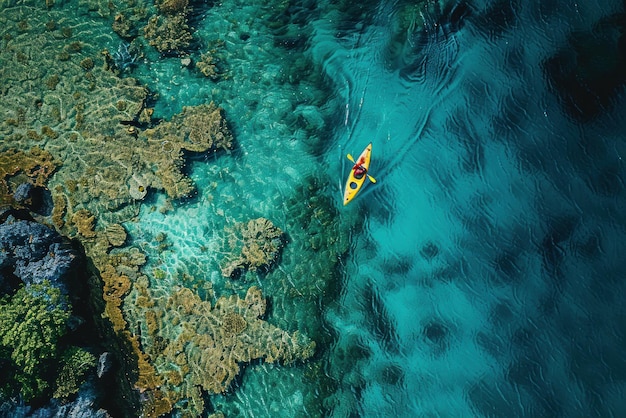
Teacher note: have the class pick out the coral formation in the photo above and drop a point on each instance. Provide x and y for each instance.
(128, 21)
(116, 235)
(35, 166)
(253, 245)
(84, 123)
(208, 66)
(169, 31)
(196, 128)
(173, 7)
(84, 221)
(123, 26)
(122, 59)
(209, 343)
(87, 64)
(168, 34)
(118, 272)
(208, 62)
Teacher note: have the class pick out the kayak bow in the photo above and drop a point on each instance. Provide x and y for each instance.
(356, 181)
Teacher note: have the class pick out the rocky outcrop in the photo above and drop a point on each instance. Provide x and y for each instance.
(33, 253)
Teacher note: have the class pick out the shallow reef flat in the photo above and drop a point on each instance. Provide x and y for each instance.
(74, 122)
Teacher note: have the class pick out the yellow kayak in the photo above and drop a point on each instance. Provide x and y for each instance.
(358, 174)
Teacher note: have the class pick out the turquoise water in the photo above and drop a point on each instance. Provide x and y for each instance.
(487, 276)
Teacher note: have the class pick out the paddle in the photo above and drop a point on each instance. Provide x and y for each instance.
(372, 179)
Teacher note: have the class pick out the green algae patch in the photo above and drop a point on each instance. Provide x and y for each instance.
(76, 363)
(32, 322)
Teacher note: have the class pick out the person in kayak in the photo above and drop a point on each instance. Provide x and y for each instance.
(359, 171)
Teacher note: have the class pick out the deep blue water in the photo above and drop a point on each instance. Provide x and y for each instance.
(494, 240)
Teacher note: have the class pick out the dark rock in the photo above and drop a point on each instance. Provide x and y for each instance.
(22, 192)
(36, 199)
(84, 406)
(41, 201)
(33, 253)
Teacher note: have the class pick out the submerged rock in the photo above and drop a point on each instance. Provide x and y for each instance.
(590, 71)
(23, 192)
(104, 364)
(35, 198)
(82, 407)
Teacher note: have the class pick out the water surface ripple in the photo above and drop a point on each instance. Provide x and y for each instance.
(489, 278)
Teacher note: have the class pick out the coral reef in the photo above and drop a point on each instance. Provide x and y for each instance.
(81, 125)
(252, 246)
(208, 66)
(203, 346)
(128, 21)
(119, 271)
(209, 62)
(84, 222)
(170, 35)
(123, 26)
(196, 128)
(173, 7)
(116, 235)
(169, 31)
(84, 121)
(75, 119)
(34, 166)
(123, 59)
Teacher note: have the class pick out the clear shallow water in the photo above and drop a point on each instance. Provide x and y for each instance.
(487, 279)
